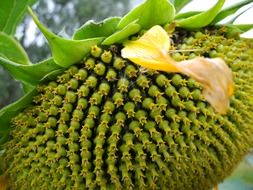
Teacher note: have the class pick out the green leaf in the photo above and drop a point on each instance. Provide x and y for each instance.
(12, 50)
(186, 14)
(65, 52)
(52, 75)
(230, 10)
(202, 19)
(149, 13)
(27, 87)
(92, 29)
(29, 74)
(179, 4)
(238, 28)
(123, 34)
(10, 111)
(11, 13)
(238, 15)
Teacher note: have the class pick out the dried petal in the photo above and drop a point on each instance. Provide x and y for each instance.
(214, 76)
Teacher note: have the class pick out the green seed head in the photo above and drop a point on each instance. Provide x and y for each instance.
(108, 124)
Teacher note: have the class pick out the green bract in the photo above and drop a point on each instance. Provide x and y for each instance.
(202, 19)
(91, 119)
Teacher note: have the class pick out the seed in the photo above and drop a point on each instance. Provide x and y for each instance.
(119, 63)
(106, 56)
(100, 69)
(96, 51)
(90, 63)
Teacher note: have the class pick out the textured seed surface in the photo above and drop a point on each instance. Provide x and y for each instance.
(106, 124)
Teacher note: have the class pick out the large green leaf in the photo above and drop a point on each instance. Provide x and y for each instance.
(92, 29)
(202, 19)
(11, 13)
(123, 34)
(179, 4)
(10, 111)
(149, 13)
(65, 52)
(12, 50)
(230, 10)
(29, 74)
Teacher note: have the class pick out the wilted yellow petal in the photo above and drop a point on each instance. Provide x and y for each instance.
(214, 76)
(151, 51)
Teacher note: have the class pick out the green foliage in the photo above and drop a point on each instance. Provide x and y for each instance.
(65, 52)
(12, 12)
(31, 74)
(100, 29)
(63, 16)
(230, 10)
(12, 50)
(123, 34)
(202, 19)
(162, 13)
(238, 28)
(186, 14)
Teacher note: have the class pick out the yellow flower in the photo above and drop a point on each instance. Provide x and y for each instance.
(151, 51)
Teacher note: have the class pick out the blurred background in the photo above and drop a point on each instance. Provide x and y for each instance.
(63, 17)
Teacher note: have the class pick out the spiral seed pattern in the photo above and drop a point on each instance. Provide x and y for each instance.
(106, 124)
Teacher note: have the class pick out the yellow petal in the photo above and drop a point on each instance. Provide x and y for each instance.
(214, 76)
(151, 50)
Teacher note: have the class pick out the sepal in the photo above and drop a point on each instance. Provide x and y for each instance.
(123, 34)
(65, 52)
(29, 74)
(238, 28)
(149, 13)
(230, 10)
(92, 29)
(12, 50)
(186, 15)
(202, 19)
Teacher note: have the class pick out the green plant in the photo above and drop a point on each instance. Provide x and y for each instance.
(93, 118)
